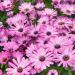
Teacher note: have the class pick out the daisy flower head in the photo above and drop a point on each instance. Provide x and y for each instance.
(68, 10)
(48, 12)
(40, 6)
(66, 57)
(35, 31)
(7, 4)
(48, 31)
(62, 22)
(41, 58)
(53, 72)
(26, 8)
(58, 43)
(17, 19)
(19, 67)
(19, 30)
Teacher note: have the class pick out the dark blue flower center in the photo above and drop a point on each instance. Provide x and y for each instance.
(52, 73)
(48, 33)
(20, 30)
(20, 69)
(42, 58)
(35, 32)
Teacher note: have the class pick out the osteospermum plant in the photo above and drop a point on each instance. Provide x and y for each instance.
(37, 37)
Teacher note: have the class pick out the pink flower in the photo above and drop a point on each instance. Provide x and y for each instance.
(62, 22)
(10, 46)
(18, 25)
(4, 56)
(53, 72)
(35, 31)
(7, 4)
(58, 43)
(43, 20)
(26, 7)
(48, 31)
(40, 5)
(68, 10)
(19, 67)
(17, 19)
(48, 12)
(66, 58)
(41, 58)
(19, 30)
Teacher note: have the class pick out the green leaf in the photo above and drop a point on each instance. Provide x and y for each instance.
(44, 72)
(29, 1)
(1, 48)
(66, 72)
(15, 9)
(48, 3)
(3, 67)
(61, 70)
(3, 16)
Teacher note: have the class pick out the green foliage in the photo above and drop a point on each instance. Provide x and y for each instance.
(3, 16)
(61, 70)
(3, 67)
(48, 3)
(29, 1)
(15, 9)
(1, 48)
(66, 71)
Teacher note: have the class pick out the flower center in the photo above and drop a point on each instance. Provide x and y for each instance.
(52, 73)
(20, 69)
(68, 11)
(62, 34)
(72, 32)
(61, 23)
(66, 57)
(35, 32)
(42, 58)
(20, 30)
(44, 22)
(4, 59)
(57, 46)
(48, 33)
(24, 42)
(27, 9)
(45, 42)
